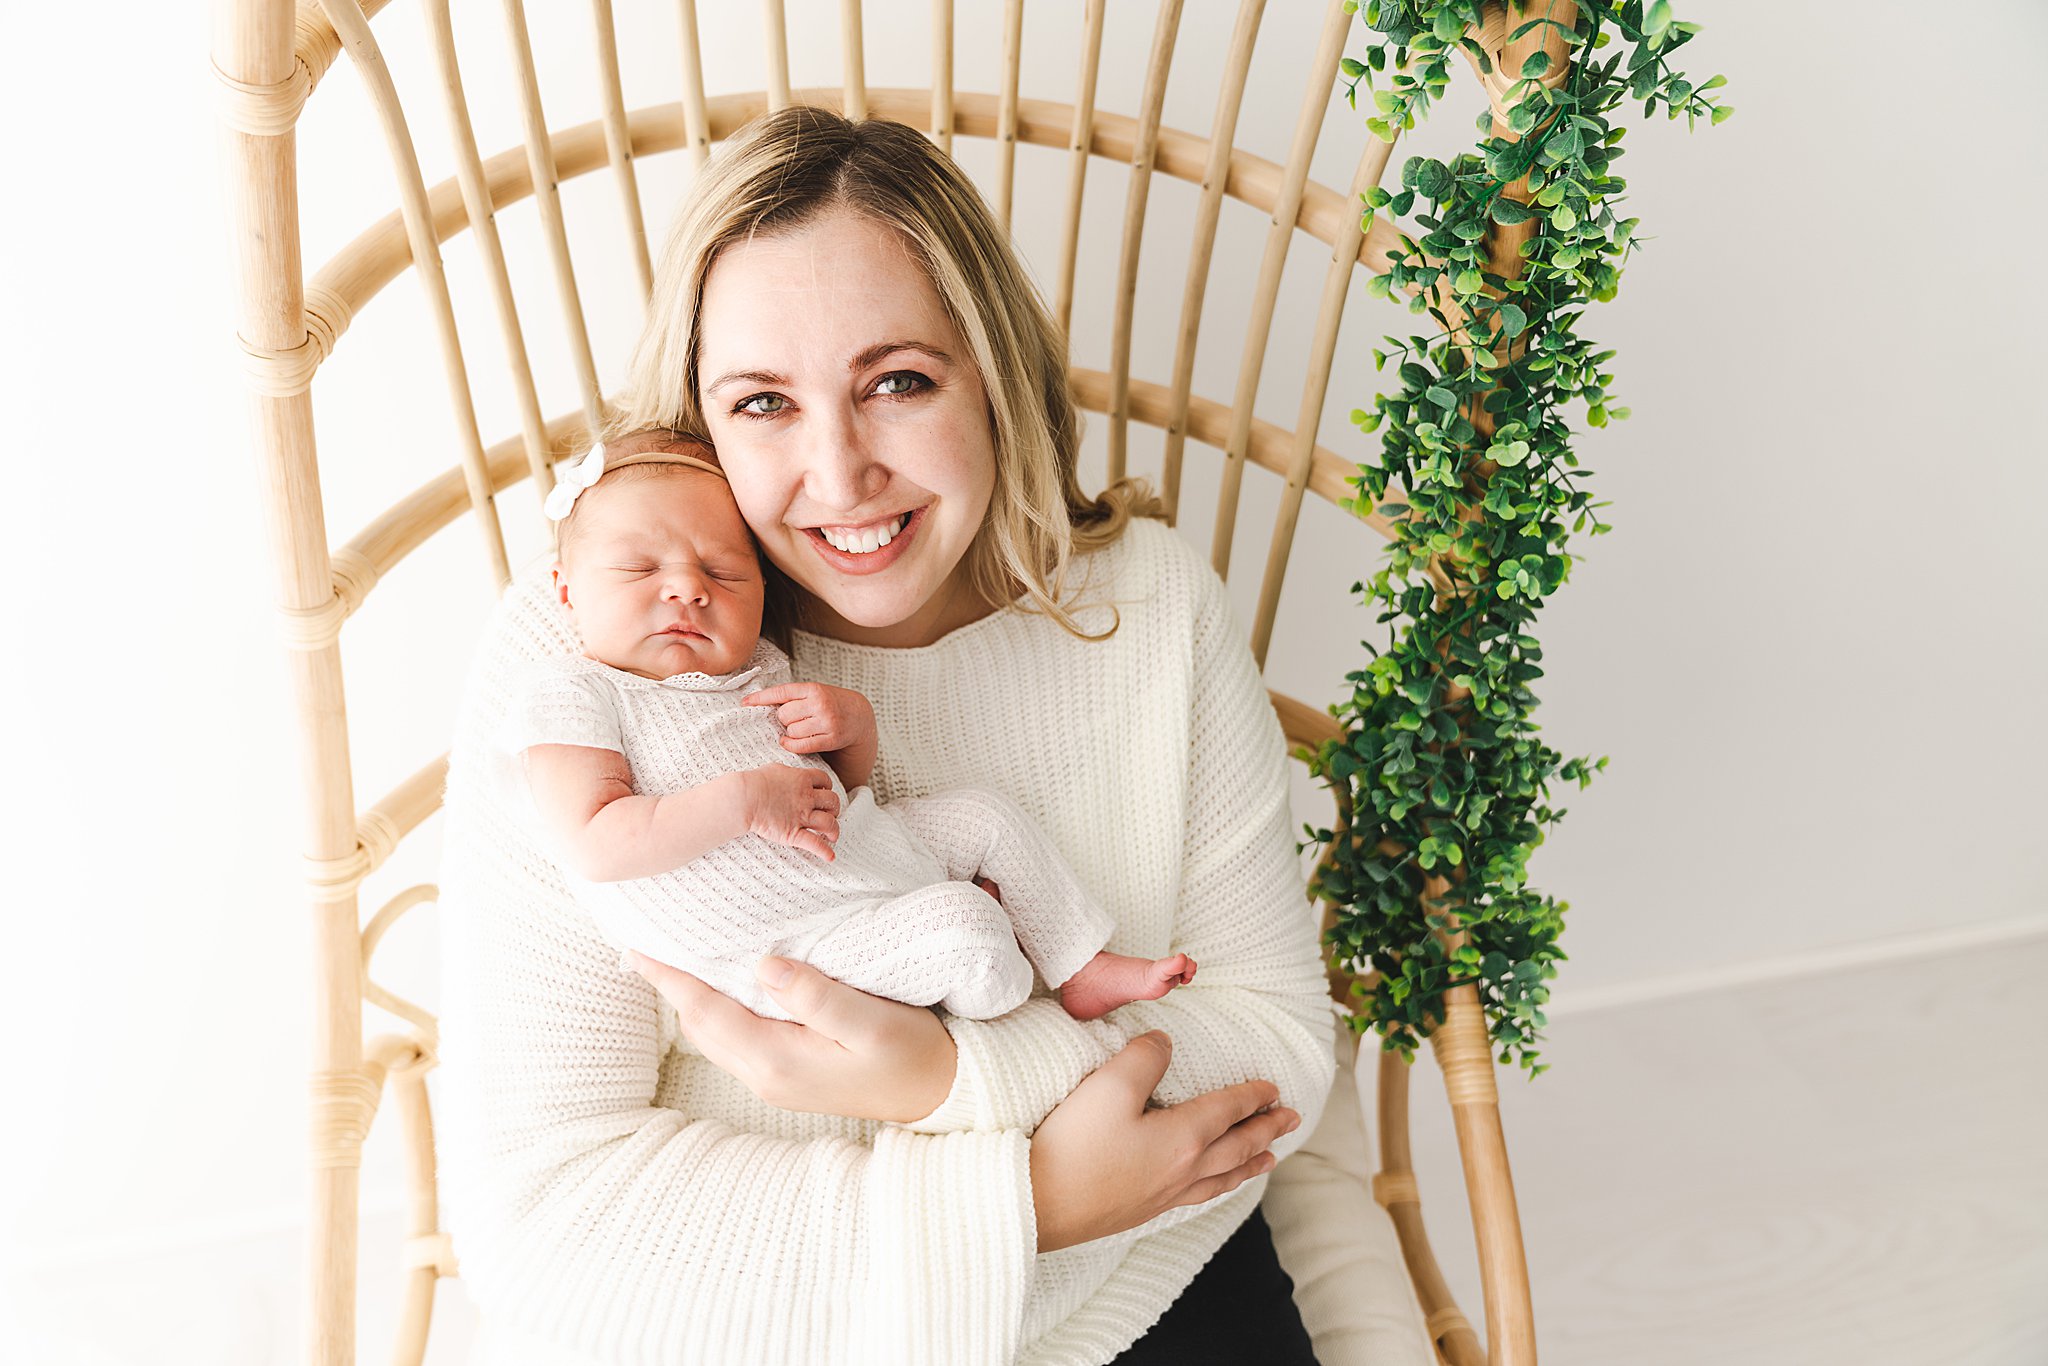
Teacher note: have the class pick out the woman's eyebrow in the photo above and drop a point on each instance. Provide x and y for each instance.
(874, 353)
(746, 377)
(862, 360)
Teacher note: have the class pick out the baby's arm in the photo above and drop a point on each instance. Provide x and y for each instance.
(611, 833)
(818, 718)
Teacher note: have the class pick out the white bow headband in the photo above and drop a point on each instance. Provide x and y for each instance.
(591, 466)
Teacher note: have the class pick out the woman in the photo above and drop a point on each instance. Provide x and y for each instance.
(838, 314)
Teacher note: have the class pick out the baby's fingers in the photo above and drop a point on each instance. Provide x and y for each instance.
(814, 843)
(775, 696)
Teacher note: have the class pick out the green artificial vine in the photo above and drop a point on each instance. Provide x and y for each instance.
(1439, 776)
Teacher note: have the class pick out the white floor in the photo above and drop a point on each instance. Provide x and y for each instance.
(1839, 1169)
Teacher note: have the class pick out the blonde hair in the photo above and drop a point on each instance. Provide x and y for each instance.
(786, 169)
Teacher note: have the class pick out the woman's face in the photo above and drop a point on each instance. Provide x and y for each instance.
(852, 423)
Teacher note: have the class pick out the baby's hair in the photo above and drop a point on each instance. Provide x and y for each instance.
(779, 602)
(627, 443)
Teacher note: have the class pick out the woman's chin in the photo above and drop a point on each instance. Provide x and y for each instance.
(870, 603)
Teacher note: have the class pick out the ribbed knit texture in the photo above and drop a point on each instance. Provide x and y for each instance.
(894, 913)
(610, 1188)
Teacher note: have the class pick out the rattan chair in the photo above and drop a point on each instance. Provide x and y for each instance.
(270, 59)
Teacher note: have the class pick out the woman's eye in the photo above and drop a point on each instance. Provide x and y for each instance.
(744, 409)
(910, 379)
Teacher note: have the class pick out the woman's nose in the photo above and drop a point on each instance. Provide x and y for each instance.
(841, 473)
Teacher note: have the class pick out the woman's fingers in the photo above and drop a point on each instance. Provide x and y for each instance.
(836, 1010)
(1210, 1187)
(710, 1018)
(1139, 1064)
(1215, 1112)
(1235, 1154)
(1238, 1124)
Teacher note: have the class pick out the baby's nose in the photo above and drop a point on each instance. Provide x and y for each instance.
(687, 584)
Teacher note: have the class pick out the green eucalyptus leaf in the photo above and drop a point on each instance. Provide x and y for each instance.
(1508, 212)
(1433, 180)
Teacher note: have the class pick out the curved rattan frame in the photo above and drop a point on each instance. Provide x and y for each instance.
(269, 57)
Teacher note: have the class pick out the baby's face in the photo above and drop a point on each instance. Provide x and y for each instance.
(660, 576)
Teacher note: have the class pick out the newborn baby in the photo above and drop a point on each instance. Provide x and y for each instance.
(709, 811)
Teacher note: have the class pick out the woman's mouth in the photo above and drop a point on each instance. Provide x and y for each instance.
(864, 550)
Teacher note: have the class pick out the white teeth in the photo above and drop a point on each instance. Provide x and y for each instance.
(863, 542)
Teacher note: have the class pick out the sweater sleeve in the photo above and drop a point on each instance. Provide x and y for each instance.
(585, 1212)
(557, 705)
(1259, 1004)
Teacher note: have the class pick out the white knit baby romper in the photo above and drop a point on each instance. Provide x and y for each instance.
(894, 913)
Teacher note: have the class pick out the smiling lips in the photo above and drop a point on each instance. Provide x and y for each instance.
(866, 549)
(864, 540)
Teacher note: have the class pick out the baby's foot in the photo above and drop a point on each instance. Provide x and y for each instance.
(1109, 980)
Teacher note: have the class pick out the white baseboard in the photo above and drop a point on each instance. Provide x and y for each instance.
(1814, 962)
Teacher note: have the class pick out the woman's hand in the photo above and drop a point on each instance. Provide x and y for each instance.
(847, 1053)
(1102, 1162)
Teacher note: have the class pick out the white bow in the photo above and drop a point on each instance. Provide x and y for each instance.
(571, 481)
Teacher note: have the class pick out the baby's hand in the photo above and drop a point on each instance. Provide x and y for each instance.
(817, 718)
(793, 806)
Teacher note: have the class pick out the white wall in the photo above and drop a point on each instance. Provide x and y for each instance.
(1810, 645)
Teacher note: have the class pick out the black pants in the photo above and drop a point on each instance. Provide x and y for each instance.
(1238, 1309)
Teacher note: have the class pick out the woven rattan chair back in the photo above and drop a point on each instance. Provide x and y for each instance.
(270, 58)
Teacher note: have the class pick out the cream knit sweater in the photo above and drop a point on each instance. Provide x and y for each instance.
(610, 1189)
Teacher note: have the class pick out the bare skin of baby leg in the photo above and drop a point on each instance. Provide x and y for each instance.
(1109, 980)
